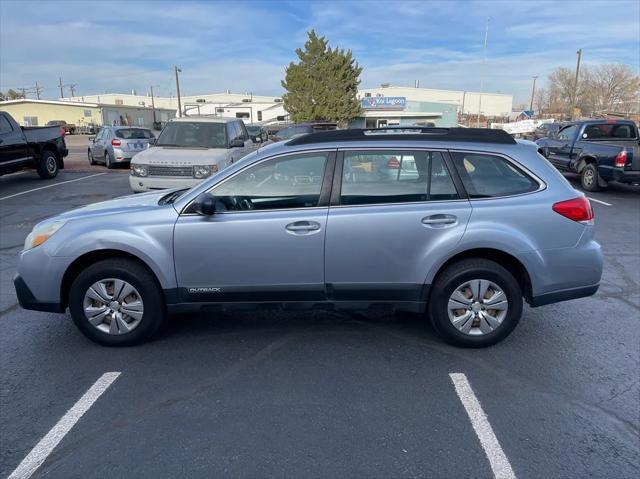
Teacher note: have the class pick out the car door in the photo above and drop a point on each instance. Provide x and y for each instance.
(13, 146)
(389, 222)
(266, 240)
(96, 146)
(559, 149)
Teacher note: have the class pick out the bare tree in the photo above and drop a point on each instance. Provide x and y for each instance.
(613, 87)
(541, 102)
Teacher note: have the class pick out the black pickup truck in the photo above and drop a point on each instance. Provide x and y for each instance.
(42, 148)
(599, 150)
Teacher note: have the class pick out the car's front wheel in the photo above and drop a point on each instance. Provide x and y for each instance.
(117, 302)
(475, 303)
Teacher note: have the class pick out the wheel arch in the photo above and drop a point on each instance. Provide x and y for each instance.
(584, 161)
(84, 261)
(504, 259)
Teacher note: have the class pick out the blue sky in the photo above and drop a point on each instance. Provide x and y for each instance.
(245, 46)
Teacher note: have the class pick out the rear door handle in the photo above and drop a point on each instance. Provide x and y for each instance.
(303, 227)
(439, 220)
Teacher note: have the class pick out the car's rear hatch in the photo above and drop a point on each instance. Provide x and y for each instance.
(132, 139)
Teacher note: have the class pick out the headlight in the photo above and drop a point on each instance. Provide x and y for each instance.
(139, 170)
(202, 171)
(42, 233)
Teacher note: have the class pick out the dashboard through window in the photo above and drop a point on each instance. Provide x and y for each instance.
(294, 181)
(378, 177)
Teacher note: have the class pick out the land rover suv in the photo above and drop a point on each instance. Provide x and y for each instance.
(459, 225)
(189, 150)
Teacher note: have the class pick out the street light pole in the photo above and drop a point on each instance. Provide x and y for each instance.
(153, 106)
(533, 92)
(178, 91)
(484, 60)
(575, 84)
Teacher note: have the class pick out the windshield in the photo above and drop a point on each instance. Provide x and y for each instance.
(133, 134)
(192, 134)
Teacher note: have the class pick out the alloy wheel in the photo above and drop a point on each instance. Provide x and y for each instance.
(113, 306)
(477, 307)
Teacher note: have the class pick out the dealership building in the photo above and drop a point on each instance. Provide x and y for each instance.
(84, 115)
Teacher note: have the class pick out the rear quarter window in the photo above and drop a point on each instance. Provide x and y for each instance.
(490, 176)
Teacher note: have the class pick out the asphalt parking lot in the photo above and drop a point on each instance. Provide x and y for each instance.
(319, 394)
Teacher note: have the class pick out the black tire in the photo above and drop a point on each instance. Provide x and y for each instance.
(48, 165)
(589, 178)
(141, 279)
(92, 160)
(108, 162)
(457, 274)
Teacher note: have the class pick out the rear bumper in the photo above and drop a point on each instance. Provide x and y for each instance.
(626, 176)
(28, 301)
(564, 295)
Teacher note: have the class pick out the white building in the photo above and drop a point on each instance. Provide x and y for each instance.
(467, 102)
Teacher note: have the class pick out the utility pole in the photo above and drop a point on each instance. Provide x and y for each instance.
(178, 91)
(533, 91)
(72, 87)
(153, 105)
(24, 92)
(575, 84)
(38, 89)
(60, 85)
(484, 60)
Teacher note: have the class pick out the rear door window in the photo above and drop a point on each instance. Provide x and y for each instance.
(379, 177)
(490, 176)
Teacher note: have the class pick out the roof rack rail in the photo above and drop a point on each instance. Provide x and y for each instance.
(407, 133)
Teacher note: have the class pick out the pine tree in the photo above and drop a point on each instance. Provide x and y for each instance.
(323, 85)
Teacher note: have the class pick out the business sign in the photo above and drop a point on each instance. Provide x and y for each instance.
(384, 103)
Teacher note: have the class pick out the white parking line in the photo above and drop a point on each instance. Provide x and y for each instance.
(499, 463)
(50, 186)
(599, 201)
(48, 443)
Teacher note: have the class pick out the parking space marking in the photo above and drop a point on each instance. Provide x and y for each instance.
(497, 459)
(48, 443)
(50, 186)
(599, 201)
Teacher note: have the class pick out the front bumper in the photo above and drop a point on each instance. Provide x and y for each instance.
(28, 301)
(149, 183)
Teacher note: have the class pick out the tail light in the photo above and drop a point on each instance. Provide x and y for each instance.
(62, 132)
(577, 209)
(621, 159)
(393, 163)
(116, 143)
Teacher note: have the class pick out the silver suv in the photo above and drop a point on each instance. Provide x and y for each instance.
(456, 224)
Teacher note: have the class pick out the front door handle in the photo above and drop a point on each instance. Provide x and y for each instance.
(303, 227)
(439, 220)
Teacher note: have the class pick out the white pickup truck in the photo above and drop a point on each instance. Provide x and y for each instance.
(189, 150)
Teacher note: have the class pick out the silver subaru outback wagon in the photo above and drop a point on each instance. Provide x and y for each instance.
(460, 225)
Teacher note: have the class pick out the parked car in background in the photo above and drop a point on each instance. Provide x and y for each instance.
(42, 148)
(300, 129)
(290, 225)
(189, 150)
(543, 131)
(258, 133)
(599, 150)
(118, 144)
(69, 128)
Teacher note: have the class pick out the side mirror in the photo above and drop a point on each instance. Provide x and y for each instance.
(152, 141)
(237, 142)
(92, 138)
(205, 204)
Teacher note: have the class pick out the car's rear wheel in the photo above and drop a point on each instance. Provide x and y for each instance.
(107, 160)
(117, 302)
(48, 165)
(589, 178)
(475, 303)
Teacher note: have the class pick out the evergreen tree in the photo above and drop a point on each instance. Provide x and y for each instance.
(323, 85)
